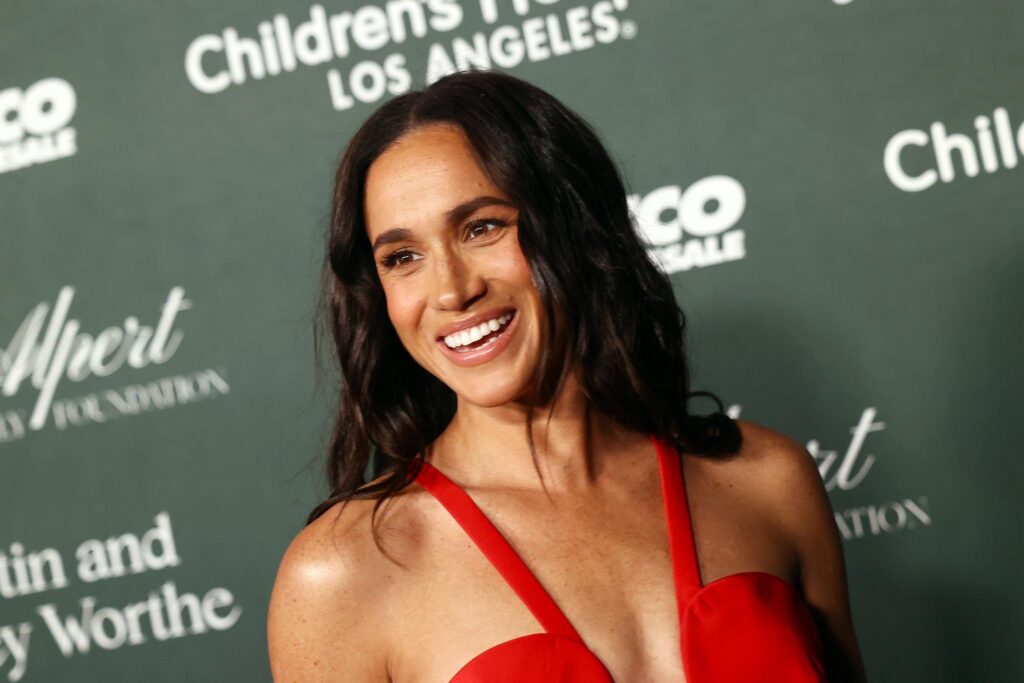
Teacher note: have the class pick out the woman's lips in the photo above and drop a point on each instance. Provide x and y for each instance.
(495, 345)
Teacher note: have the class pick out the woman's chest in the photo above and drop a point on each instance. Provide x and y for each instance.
(611, 575)
(618, 595)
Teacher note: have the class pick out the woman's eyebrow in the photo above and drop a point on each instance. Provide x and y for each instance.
(392, 235)
(466, 208)
(452, 216)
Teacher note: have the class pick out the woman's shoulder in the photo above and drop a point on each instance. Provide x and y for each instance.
(785, 479)
(781, 466)
(779, 478)
(334, 584)
(774, 477)
(340, 548)
(768, 462)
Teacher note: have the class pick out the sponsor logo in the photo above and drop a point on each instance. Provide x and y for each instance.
(215, 62)
(35, 124)
(695, 227)
(915, 160)
(50, 347)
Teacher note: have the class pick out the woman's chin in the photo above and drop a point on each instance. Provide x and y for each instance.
(489, 395)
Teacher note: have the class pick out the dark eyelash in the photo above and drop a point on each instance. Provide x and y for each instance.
(391, 260)
(484, 221)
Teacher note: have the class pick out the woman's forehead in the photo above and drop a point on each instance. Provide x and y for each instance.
(425, 155)
(423, 175)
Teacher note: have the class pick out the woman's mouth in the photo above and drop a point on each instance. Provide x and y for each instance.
(481, 343)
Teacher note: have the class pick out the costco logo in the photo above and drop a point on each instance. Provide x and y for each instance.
(35, 124)
(693, 227)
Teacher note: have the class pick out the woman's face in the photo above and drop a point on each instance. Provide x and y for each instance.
(445, 243)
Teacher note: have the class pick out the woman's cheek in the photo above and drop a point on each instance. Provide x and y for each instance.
(402, 309)
(510, 262)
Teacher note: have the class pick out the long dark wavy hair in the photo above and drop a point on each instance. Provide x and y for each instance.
(610, 312)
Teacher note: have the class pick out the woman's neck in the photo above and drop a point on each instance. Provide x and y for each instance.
(488, 446)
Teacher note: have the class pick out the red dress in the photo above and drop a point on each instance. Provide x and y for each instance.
(748, 627)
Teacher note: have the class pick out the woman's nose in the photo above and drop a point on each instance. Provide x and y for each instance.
(457, 284)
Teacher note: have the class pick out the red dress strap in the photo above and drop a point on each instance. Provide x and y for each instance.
(497, 550)
(682, 545)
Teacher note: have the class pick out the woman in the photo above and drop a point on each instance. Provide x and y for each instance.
(547, 508)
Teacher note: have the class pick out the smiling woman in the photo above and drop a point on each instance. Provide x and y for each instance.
(482, 270)
(434, 273)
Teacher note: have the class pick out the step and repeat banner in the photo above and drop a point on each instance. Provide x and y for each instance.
(835, 188)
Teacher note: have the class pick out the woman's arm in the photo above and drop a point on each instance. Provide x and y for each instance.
(808, 520)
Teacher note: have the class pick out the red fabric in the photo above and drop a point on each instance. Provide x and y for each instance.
(750, 627)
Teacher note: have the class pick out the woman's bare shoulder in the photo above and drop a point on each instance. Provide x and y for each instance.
(784, 478)
(772, 478)
(772, 472)
(328, 610)
(768, 462)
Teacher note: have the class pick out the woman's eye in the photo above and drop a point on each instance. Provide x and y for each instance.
(475, 229)
(397, 258)
(480, 227)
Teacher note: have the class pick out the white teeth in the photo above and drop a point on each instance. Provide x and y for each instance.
(473, 334)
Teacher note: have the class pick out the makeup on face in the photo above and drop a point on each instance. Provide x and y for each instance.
(460, 292)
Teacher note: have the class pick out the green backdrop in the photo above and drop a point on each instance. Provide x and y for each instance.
(834, 186)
